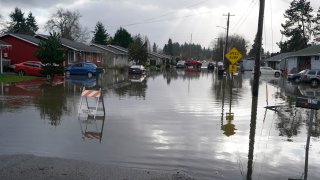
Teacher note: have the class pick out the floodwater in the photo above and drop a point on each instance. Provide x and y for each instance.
(171, 120)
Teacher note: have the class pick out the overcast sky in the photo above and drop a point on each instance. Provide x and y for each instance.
(160, 20)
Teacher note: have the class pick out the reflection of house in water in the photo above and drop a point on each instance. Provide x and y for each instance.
(49, 98)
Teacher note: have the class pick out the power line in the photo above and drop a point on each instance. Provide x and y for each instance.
(246, 16)
(271, 26)
(158, 18)
(243, 14)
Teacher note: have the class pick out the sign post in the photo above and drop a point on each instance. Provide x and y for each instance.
(233, 56)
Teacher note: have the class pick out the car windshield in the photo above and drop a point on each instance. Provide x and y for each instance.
(302, 72)
(93, 65)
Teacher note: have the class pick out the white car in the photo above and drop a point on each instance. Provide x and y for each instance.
(269, 71)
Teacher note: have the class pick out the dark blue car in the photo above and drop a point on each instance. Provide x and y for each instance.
(88, 69)
(296, 77)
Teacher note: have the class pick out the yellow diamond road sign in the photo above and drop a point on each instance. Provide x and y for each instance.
(233, 55)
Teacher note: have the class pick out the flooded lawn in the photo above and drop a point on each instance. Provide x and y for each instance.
(174, 120)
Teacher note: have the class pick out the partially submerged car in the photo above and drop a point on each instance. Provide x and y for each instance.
(82, 68)
(31, 68)
(296, 77)
(137, 69)
(181, 64)
(268, 71)
(193, 63)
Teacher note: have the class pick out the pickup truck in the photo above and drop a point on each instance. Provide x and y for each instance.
(193, 63)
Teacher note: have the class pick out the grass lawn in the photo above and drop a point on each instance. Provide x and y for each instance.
(10, 78)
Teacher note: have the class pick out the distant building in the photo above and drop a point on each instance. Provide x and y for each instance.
(158, 59)
(113, 56)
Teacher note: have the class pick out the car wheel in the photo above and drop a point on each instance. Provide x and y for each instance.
(276, 74)
(67, 74)
(89, 74)
(21, 73)
(314, 82)
(297, 80)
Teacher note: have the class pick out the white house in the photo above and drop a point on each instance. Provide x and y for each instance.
(113, 56)
(307, 58)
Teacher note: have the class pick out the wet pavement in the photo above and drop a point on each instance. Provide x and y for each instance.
(178, 120)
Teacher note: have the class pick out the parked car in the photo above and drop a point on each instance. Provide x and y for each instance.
(220, 68)
(296, 77)
(137, 69)
(88, 69)
(180, 64)
(210, 66)
(31, 68)
(312, 76)
(193, 63)
(268, 71)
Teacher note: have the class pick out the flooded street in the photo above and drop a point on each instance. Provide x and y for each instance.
(173, 120)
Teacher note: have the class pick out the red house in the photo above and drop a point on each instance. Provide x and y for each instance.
(24, 47)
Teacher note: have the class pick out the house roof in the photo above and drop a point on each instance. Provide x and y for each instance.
(309, 51)
(278, 57)
(24, 37)
(77, 46)
(110, 48)
(125, 50)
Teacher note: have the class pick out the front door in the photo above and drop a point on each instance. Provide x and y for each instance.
(304, 62)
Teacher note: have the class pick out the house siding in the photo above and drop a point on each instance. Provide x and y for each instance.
(21, 51)
(315, 64)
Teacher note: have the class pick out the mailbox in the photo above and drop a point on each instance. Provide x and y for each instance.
(308, 103)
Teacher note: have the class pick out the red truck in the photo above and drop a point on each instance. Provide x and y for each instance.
(193, 63)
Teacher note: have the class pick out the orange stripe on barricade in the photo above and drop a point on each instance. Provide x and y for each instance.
(90, 93)
(97, 94)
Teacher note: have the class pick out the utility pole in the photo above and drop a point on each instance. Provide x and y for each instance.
(226, 63)
(255, 86)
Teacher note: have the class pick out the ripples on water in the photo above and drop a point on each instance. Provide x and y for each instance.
(167, 120)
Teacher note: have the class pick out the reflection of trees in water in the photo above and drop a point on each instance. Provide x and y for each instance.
(290, 121)
(137, 89)
(53, 103)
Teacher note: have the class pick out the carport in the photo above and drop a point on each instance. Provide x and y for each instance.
(3, 45)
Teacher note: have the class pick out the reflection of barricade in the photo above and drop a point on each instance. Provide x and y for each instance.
(91, 128)
(88, 109)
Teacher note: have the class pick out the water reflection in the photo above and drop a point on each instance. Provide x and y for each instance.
(252, 135)
(52, 103)
(91, 127)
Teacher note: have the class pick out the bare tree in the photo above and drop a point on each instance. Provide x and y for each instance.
(67, 23)
(3, 25)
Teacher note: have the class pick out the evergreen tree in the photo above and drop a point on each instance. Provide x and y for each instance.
(138, 51)
(297, 27)
(122, 38)
(154, 48)
(316, 20)
(18, 22)
(169, 48)
(31, 24)
(253, 50)
(100, 35)
(50, 52)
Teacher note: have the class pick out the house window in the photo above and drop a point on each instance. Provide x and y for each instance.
(316, 57)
